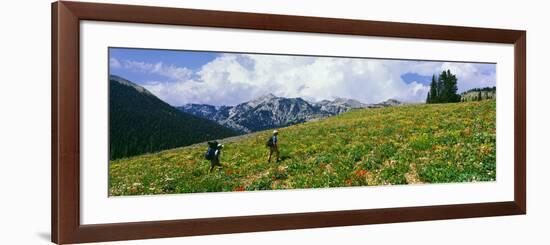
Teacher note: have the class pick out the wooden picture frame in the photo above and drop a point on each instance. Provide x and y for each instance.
(66, 226)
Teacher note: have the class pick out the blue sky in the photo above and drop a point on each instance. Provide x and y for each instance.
(181, 77)
(410, 77)
(190, 60)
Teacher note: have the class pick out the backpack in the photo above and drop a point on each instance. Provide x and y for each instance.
(269, 142)
(210, 154)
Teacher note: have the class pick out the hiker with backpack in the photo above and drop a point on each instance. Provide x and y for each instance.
(213, 154)
(273, 146)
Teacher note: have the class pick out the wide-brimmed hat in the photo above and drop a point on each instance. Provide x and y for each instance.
(275, 131)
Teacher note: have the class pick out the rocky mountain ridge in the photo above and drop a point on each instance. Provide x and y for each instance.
(270, 111)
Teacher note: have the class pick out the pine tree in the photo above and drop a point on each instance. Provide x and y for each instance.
(433, 95)
(428, 99)
(443, 88)
(452, 87)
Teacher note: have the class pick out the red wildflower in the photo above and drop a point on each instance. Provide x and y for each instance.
(361, 172)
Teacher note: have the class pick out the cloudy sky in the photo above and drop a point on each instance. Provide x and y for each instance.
(180, 77)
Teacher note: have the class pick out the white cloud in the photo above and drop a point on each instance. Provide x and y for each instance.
(169, 71)
(471, 75)
(234, 78)
(114, 63)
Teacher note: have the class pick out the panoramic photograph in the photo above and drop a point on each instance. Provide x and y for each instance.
(204, 121)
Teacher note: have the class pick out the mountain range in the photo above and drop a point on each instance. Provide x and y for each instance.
(139, 122)
(270, 111)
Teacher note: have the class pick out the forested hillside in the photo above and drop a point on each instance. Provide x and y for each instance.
(139, 122)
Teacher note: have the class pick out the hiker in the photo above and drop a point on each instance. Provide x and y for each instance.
(273, 146)
(213, 154)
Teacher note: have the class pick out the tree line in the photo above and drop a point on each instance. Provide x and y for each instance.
(443, 89)
(478, 94)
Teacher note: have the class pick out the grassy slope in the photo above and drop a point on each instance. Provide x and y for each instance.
(436, 143)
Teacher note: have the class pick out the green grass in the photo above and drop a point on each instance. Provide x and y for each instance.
(436, 143)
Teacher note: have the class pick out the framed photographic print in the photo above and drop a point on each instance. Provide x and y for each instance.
(177, 122)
